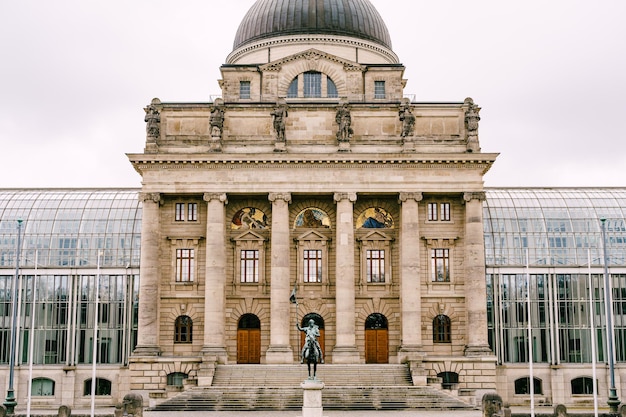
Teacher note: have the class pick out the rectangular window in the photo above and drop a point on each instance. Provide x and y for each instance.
(440, 265)
(179, 214)
(192, 212)
(312, 265)
(379, 89)
(312, 84)
(375, 265)
(191, 215)
(250, 266)
(432, 212)
(185, 265)
(244, 89)
(444, 212)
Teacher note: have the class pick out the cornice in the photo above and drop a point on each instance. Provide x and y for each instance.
(472, 161)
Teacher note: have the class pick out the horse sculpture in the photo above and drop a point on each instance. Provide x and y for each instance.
(311, 351)
(311, 355)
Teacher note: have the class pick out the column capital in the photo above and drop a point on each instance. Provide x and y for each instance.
(150, 197)
(403, 197)
(286, 197)
(475, 195)
(208, 197)
(344, 196)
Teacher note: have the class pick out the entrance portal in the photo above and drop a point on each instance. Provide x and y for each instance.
(376, 339)
(249, 339)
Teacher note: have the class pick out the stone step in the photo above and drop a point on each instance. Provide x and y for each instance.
(333, 398)
(277, 387)
(331, 375)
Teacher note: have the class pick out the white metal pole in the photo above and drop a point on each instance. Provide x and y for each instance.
(94, 356)
(31, 339)
(592, 328)
(531, 378)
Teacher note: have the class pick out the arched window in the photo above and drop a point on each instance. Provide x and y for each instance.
(448, 379)
(183, 330)
(103, 386)
(175, 379)
(522, 386)
(582, 386)
(442, 332)
(312, 86)
(42, 387)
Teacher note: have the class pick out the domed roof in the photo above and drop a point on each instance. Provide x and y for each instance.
(271, 18)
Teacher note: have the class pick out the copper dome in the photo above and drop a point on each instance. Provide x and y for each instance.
(271, 18)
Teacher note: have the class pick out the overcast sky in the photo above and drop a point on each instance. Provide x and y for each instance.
(550, 76)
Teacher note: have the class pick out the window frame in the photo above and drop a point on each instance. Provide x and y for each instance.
(442, 329)
(375, 263)
(312, 267)
(380, 90)
(249, 266)
(183, 330)
(245, 89)
(438, 260)
(185, 265)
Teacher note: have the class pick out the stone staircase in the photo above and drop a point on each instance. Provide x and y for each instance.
(277, 387)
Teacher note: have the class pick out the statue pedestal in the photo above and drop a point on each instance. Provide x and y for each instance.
(312, 398)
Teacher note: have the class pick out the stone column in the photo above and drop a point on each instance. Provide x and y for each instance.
(214, 347)
(345, 350)
(475, 285)
(410, 278)
(279, 350)
(148, 320)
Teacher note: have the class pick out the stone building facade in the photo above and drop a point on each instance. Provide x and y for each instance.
(313, 172)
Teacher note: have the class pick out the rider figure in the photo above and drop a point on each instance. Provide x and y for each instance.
(312, 333)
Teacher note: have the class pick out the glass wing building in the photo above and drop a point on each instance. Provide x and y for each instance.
(548, 243)
(71, 241)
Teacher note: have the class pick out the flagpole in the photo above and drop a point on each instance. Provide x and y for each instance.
(531, 378)
(31, 339)
(10, 401)
(593, 336)
(95, 341)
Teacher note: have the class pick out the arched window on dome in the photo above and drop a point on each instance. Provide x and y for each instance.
(312, 84)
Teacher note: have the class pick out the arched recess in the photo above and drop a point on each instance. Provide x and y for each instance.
(376, 339)
(320, 323)
(249, 339)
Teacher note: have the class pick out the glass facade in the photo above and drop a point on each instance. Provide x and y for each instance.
(72, 241)
(548, 243)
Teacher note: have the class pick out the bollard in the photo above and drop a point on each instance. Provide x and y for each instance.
(64, 411)
(492, 404)
(133, 405)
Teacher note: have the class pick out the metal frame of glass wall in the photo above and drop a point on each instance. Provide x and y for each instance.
(70, 238)
(553, 237)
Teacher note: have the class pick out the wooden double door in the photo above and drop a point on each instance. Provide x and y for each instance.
(376, 339)
(249, 339)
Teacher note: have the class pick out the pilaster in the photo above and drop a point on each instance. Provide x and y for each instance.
(345, 350)
(279, 350)
(214, 342)
(148, 316)
(475, 285)
(410, 285)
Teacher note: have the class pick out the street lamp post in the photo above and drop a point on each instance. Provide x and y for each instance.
(10, 401)
(613, 400)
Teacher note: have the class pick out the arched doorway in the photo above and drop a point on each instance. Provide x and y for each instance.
(249, 339)
(376, 339)
(320, 323)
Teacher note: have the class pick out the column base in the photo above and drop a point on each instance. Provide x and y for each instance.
(279, 355)
(146, 351)
(478, 350)
(214, 354)
(346, 355)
